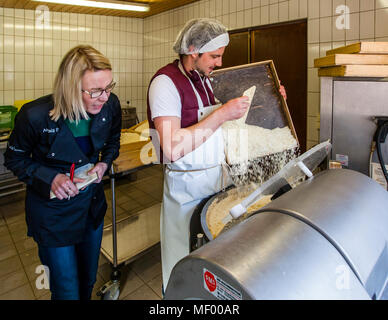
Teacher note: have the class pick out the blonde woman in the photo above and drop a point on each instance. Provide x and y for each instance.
(78, 124)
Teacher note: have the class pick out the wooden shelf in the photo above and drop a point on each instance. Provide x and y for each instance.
(362, 47)
(354, 71)
(351, 59)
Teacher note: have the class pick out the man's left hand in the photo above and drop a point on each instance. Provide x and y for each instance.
(100, 169)
(282, 91)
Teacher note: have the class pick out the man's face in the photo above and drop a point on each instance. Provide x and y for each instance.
(208, 61)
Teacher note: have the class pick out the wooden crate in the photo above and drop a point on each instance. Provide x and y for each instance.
(361, 59)
(130, 154)
(136, 127)
(268, 109)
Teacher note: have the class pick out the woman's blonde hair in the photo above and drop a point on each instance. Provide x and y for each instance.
(68, 81)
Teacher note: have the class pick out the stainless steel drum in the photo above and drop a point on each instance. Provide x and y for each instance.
(204, 212)
(325, 239)
(290, 175)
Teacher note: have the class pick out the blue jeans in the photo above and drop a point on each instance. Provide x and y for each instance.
(73, 269)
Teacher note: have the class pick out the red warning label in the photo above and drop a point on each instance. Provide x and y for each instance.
(218, 287)
(210, 281)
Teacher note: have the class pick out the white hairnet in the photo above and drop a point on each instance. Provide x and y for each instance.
(201, 35)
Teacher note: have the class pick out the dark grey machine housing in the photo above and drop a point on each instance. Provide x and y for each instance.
(325, 239)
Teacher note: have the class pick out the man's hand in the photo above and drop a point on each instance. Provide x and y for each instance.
(100, 169)
(63, 188)
(282, 91)
(176, 142)
(234, 109)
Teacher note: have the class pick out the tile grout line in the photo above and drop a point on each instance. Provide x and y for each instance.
(146, 283)
(130, 269)
(153, 289)
(21, 262)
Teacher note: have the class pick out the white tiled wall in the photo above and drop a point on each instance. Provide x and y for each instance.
(368, 22)
(30, 55)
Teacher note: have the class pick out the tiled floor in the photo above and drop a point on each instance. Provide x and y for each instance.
(140, 279)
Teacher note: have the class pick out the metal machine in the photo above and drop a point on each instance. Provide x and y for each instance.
(379, 150)
(351, 113)
(325, 239)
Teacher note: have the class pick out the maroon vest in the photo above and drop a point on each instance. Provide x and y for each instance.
(189, 112)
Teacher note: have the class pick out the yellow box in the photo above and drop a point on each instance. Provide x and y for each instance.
(19, 103)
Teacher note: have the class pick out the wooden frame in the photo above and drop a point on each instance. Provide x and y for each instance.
(270, 64)
(156, 7)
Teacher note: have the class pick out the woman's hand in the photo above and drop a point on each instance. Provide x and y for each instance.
(63, 188)
(100, 169)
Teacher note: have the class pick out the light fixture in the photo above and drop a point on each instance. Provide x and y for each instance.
(114, 5)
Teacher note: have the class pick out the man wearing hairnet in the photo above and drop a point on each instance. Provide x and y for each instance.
(181, 107)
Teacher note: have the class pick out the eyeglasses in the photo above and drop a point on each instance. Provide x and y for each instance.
(97, 93)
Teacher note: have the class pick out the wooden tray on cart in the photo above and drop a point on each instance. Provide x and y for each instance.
(140, 127)
(135, 154)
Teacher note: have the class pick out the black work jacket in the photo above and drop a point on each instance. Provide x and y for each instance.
(40, 148)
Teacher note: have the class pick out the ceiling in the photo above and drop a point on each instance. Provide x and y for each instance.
(156, 6)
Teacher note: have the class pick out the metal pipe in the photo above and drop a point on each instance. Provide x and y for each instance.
(114, 231)
(12, 185)
(200, 240)
(11, 192)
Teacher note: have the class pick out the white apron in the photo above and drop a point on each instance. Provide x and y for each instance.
(187, 181)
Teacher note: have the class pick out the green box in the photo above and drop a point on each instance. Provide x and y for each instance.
(7, 116)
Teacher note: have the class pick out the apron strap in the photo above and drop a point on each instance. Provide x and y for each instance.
(224, 168)
(199, 99)
(193, 170)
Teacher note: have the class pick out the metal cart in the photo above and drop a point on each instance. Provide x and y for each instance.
(9, 184)
(124, 229)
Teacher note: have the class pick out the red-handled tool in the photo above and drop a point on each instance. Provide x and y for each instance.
(72, 172)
